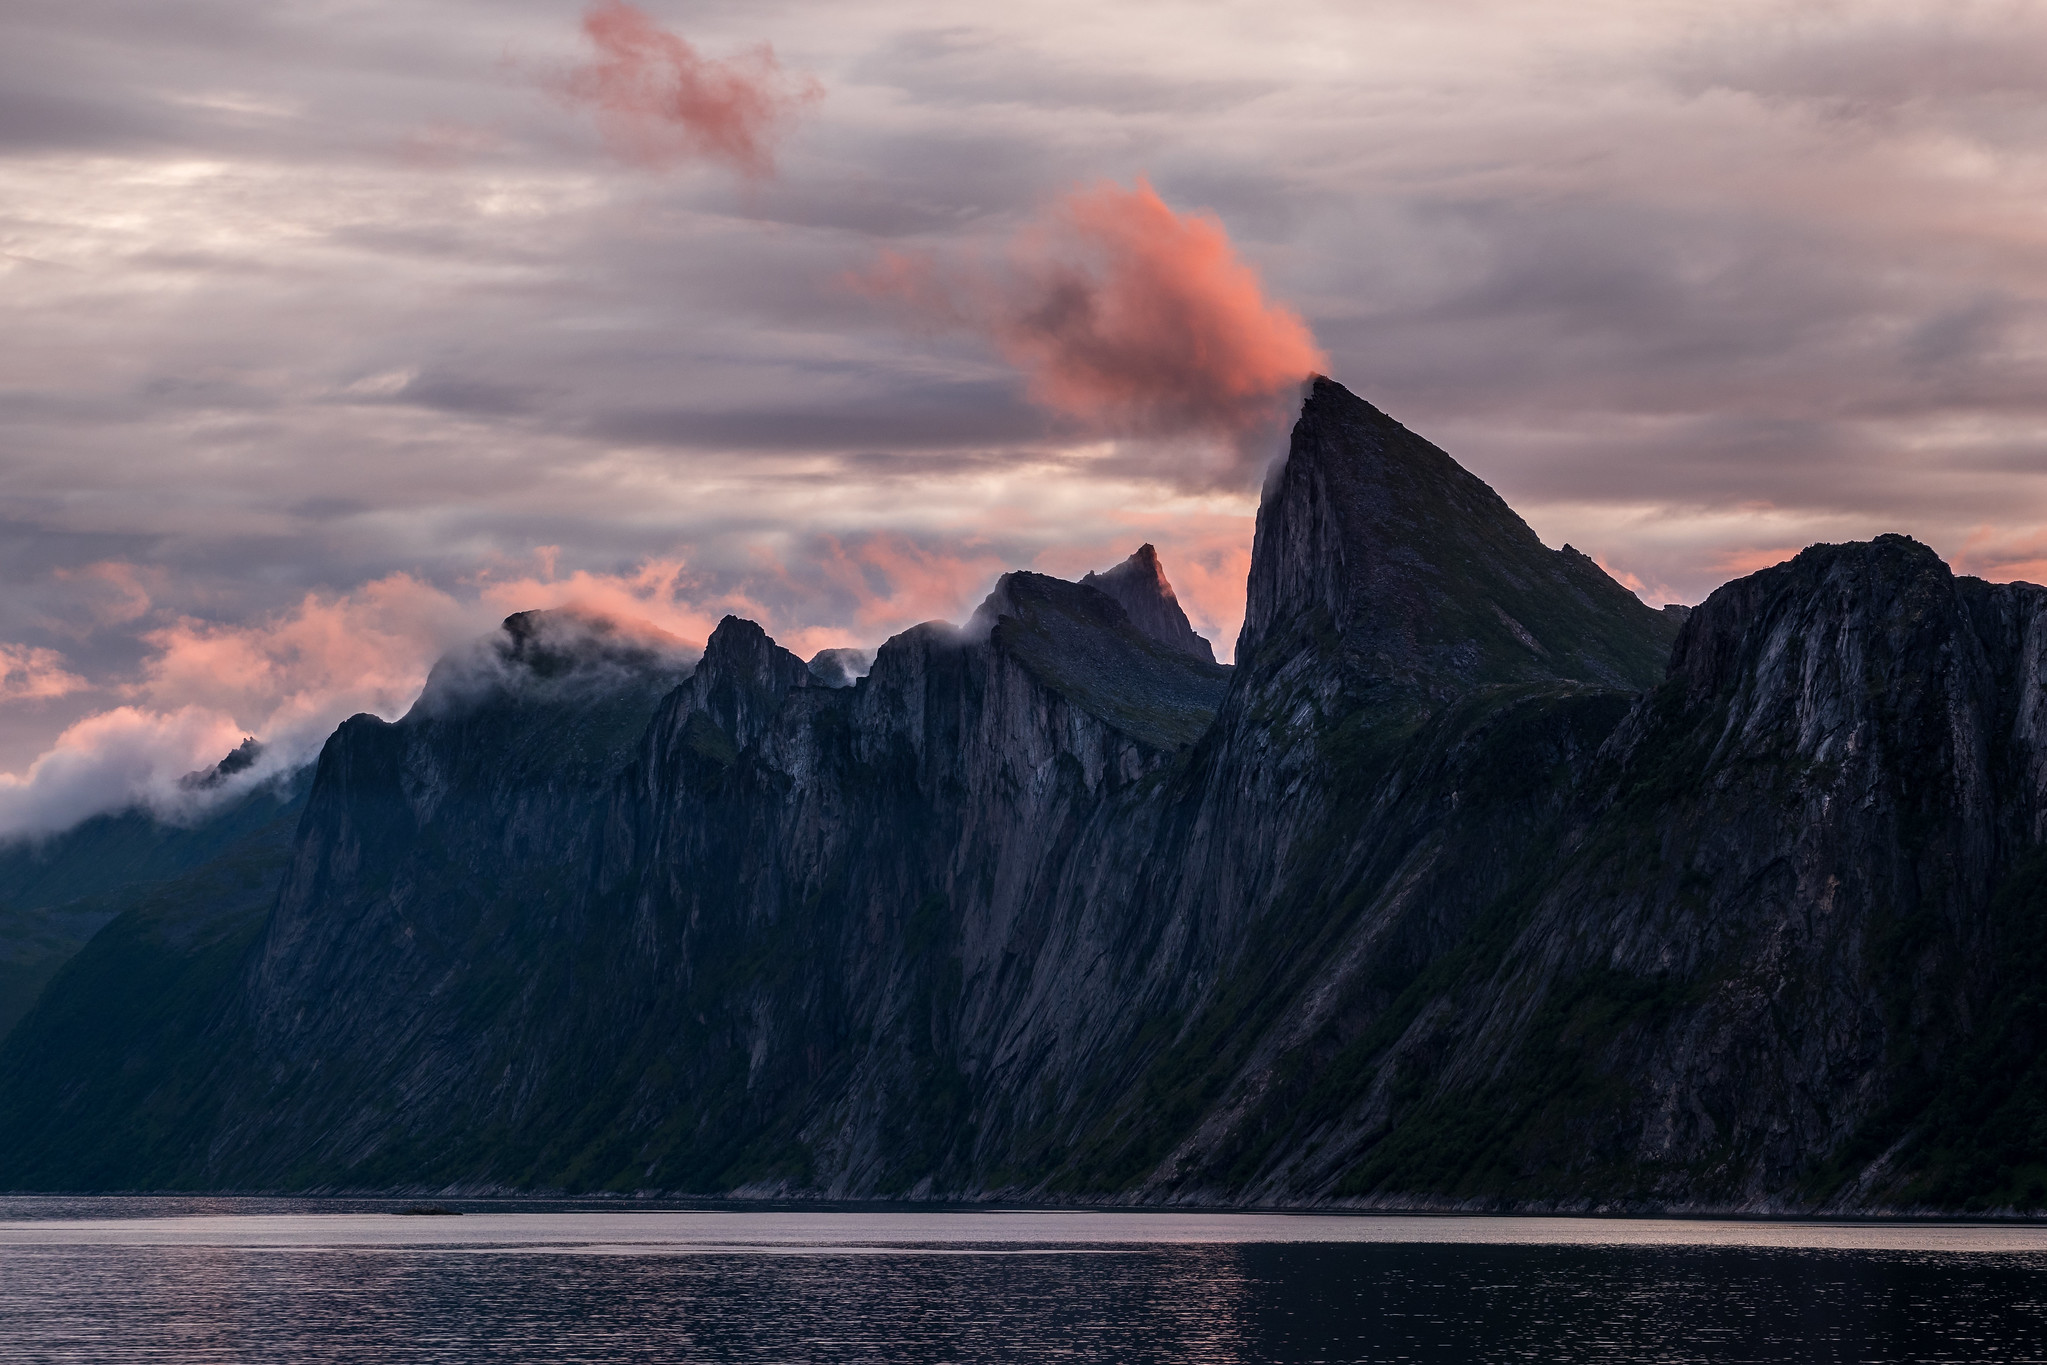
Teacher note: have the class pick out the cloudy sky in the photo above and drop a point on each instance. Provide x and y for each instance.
(340, 329)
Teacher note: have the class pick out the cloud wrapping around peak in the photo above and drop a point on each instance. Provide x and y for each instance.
(114, 760)
(1124, 315)
(660, 103)
(290, 677)
(560, 654)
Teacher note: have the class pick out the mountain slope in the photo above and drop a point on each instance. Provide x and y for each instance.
(56, 893)
(108, 1079)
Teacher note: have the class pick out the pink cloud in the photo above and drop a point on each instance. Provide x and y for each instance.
(1740, 563)
(445, 144)
(2004, 556)
(663, 594)
(1652, 591)
(290, 678)
(897, 582)
(1122, 314)
(109, 593)
(287, 679)
(28, 673)
(658, 102)
(838, 591)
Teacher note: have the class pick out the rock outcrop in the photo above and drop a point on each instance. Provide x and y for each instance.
(1139, 586)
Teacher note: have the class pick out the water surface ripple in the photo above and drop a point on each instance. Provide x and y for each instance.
(212, 1281)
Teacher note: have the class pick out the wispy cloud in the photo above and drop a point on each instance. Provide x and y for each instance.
(110, 761)
(660, 103)
(31, 673)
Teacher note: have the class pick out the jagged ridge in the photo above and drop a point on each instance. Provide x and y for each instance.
(1445, 894)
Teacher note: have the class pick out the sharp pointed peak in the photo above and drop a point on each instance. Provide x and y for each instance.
(1140, 587)
(1369, 530)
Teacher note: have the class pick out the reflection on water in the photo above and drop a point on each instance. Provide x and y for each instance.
(954, 1288)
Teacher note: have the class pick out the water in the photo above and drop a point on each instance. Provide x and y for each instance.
(120, 1280)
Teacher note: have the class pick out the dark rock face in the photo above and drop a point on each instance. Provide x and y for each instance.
(240, 760)
(1450, 892)
(1764, 930)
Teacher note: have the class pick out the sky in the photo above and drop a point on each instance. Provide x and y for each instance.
(339, 330)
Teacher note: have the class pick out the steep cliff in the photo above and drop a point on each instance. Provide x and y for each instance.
(1773, 929)
(1448, 892)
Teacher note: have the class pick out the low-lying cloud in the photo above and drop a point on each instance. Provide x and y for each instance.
(1122, 314)
(660, 103)
(289, 678)
(124, 757)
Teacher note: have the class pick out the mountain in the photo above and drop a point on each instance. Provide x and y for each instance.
(1474, 882)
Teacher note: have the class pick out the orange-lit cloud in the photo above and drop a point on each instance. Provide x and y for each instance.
(896, 582)
(289, 679)
(1123, 314)
(831, 592)
(661, 593)
(658, 102)
(110, 593)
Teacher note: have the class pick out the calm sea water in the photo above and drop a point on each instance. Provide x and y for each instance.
(117, 1280)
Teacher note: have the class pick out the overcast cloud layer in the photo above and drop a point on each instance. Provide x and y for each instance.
(338, 331)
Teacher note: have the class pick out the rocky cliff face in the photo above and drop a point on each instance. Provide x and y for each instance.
(1762, 927)
(1448, 892)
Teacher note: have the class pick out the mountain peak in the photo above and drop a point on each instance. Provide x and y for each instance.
(240, 759)
(1139, 586)
(562, 640)
(840, 667)
(552, 655)
(743, 679)
(1825, 593)
(1429, 577)
(1083, 643)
